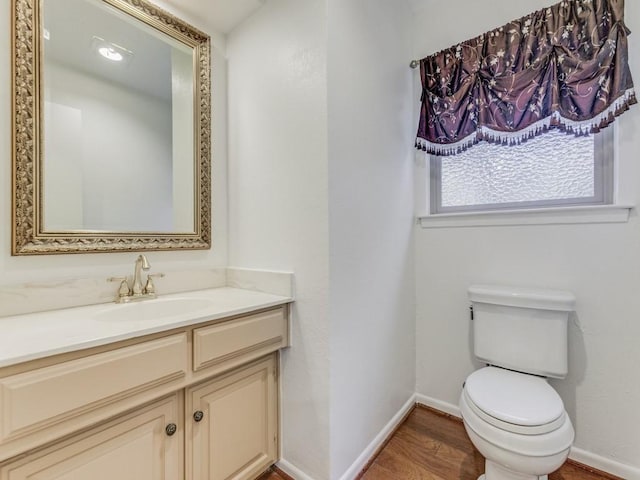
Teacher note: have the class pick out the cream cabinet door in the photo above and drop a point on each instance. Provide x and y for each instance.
(232, 424)
(135, 446)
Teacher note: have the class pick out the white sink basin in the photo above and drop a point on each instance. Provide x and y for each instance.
(153, 309)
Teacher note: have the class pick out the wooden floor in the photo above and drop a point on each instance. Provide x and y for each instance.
(433, 446)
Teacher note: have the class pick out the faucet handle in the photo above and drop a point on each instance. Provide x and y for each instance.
(123, 290)
(150, 288)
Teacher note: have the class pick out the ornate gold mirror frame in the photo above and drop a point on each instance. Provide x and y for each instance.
(28, 235)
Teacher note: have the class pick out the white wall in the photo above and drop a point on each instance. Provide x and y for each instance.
(372, 311)
(14, 270)
(278, 197)
(340, 219)
(599, 263)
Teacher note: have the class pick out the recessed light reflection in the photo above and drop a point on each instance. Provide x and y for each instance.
(110, 53)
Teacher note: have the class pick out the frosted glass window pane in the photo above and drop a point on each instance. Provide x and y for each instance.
(553, 166)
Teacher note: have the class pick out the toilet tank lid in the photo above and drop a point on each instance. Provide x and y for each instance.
(544, 299)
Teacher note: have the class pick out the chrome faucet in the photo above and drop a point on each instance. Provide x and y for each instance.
(137, 291)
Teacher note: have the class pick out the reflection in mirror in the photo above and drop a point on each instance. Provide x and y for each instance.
(111, 128)
(118, 152)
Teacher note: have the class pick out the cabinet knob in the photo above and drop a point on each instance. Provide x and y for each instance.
(199, 415)
(171, 429)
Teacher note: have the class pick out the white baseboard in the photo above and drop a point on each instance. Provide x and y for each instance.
(621, 470)
(355, 468)
(292, 470)
(577, 454)
(445, 407)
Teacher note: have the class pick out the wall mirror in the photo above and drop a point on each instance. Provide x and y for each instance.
(111, 128)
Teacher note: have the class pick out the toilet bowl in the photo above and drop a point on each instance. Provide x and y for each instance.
(512, 415)
(517, 422)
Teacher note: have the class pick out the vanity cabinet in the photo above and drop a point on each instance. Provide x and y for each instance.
(196, 403)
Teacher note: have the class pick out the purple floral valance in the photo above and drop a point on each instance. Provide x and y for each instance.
(561, 67)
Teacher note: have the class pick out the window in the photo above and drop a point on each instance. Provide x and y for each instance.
(550, 170)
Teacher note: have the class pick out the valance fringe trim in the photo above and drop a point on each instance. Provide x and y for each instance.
(483, 133)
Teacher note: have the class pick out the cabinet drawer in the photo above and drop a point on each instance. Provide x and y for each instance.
(51, 395)
(243, 338)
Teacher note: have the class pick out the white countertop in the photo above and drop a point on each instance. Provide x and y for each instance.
(38, 335)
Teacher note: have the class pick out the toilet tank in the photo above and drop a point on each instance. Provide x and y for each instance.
(522, 329)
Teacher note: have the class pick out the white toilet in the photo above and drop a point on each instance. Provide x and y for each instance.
(512, 415)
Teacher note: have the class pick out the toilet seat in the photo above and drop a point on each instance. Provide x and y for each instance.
(527, 446)
(514, 402)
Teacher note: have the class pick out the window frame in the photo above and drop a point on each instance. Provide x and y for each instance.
(604, 177)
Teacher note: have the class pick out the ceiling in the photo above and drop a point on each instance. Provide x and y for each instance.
(225, 15)
(417, 5)
(222, 15)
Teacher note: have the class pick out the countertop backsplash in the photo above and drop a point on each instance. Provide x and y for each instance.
(67, 293)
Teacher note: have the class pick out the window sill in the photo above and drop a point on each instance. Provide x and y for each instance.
(538, 216)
